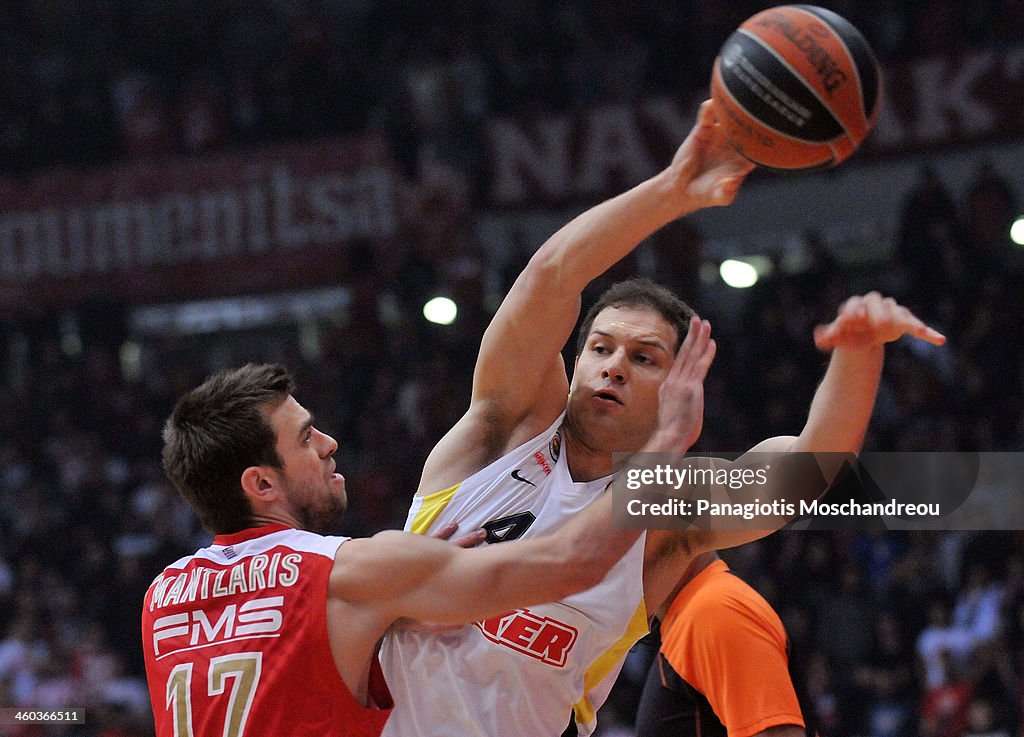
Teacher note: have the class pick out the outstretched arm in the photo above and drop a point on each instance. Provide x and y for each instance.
(838, 418)
(836, 424)
(519, 380)
(515, 357)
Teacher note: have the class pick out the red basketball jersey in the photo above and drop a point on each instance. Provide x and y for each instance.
(235, 641)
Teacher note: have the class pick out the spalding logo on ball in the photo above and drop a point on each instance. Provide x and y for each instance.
(796, 87)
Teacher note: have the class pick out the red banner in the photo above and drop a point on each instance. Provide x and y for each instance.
(236, 223)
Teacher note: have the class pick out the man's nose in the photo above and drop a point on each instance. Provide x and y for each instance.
(615, 367)
(330, 445)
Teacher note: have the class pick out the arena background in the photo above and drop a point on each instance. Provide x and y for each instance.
(192, 185)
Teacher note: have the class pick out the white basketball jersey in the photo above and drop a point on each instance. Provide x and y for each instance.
(525, 672)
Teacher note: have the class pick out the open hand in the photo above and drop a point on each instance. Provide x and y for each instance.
(871, 320)
(706, 165)
(681, 396)
(469, 540)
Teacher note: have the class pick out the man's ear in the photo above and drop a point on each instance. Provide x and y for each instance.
(259, 485)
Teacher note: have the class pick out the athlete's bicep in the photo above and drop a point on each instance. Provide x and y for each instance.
(520, 366)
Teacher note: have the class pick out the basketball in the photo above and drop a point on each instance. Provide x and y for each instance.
(796, 87)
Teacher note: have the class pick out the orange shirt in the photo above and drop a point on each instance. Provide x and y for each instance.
(725, 640)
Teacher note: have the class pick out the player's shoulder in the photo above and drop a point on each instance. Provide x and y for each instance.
(303, 541)
(528, 454)
(721, 596)
(723, 616)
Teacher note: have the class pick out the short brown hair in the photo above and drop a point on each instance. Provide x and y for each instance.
(639, 293)
(216, 431)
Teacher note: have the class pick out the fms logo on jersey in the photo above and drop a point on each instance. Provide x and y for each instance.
(540, 637)
(196, 628)
(555, 446)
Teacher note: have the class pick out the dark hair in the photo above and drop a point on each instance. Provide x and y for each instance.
(216, 431)
(641, 293)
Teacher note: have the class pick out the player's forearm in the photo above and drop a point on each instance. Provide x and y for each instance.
(842, 405)
(592, 242)
(592, 543)
(488, 581)
(581, 553)
(593, 534)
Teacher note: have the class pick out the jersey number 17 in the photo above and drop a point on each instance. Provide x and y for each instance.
(242, 668)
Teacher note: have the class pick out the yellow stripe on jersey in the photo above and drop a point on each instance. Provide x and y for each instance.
(431, 506)
(600, 668)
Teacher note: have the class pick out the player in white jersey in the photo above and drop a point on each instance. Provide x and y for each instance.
(563, 645)
(486, 680)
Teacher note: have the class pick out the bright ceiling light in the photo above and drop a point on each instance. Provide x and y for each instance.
(440, 311)
(738, 274)
(1017, 231)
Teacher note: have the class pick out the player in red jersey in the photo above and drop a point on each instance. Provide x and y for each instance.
(273, 628)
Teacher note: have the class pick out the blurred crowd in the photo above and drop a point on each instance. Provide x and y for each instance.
(894, 634)
(94, 81)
